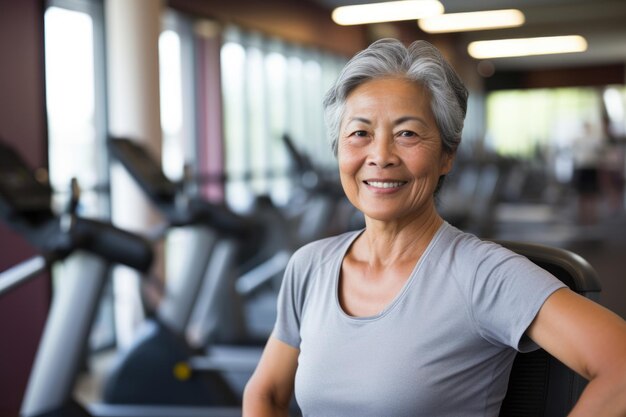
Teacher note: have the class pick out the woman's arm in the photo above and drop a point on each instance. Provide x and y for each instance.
(269, 390)
(591, 340)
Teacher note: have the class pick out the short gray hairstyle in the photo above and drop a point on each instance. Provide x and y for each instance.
(422, 63)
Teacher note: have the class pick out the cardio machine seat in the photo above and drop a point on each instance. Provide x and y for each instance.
(539, 384)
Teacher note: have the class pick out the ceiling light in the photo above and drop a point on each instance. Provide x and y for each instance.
(527, 46)
(460, 22)
(386, 12)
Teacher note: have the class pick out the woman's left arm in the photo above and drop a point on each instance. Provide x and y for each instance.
(591, 340)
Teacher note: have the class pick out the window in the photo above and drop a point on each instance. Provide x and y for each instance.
(75, 116)
(519, 123)
(74, 72)
(271, 88)
(614, 100)
(548, 125)
(171, 103)
(177, 105)
(233, 57)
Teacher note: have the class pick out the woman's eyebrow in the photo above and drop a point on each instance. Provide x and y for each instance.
(360, 119)
(410, 118)
(398, 121)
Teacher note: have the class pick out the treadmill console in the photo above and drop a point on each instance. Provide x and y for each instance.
(20, 193)
(144, 169)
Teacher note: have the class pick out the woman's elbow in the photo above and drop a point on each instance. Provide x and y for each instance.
(260, 400)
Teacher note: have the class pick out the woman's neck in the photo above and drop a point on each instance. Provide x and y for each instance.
(388, 243)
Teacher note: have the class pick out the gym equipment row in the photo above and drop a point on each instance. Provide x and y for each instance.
(89, 248)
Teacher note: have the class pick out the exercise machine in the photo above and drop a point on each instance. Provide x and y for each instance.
(143, 372)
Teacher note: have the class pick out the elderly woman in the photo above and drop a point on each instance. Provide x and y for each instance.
(411, 316)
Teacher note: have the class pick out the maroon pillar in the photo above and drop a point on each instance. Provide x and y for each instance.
(23, 125)
(209, 117)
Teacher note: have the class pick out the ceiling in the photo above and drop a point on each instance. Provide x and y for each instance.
(601, 22)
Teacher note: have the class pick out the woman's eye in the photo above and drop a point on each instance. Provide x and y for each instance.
(407, 134)
(360, 133)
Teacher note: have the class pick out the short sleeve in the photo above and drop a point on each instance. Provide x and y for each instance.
(508, 292)
(287, 326)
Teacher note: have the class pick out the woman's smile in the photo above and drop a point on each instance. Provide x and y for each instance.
(384, 184)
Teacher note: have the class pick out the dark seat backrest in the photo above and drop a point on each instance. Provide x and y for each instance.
(540, 385)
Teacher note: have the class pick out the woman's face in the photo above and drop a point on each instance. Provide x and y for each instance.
(389, 151)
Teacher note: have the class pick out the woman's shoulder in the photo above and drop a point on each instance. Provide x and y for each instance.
(326, 248)
(469, 250)
(474, 262)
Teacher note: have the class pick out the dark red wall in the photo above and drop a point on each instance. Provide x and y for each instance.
(22, 124)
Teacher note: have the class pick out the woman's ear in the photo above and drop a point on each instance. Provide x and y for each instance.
(447, 162)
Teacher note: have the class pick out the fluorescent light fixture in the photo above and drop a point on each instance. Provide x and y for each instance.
(462, 22)
(386, 12)
(527, 46)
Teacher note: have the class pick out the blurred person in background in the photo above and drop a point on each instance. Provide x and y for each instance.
(587, 149)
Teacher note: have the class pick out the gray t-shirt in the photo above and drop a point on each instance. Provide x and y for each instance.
(443, 347)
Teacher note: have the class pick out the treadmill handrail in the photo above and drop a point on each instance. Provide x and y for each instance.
(22, 272)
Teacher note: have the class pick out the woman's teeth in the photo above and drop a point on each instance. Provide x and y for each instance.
(384, 184)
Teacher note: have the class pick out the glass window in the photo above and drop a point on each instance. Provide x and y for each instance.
(170, 74)
(233, 56)
(276, 70)
(558, 129)
(614, 98)
(70, 100)
(74, 72)
(257, 136)
(177, 86)
(271, 89)
(295, 104)
(522, 122)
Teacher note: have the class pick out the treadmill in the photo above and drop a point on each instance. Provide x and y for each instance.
(248, 252)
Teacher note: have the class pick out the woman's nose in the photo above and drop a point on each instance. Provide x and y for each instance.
(382, 153)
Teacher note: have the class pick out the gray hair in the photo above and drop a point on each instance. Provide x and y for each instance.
(421, 62)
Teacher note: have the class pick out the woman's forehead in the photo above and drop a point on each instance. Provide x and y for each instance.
(388, 95)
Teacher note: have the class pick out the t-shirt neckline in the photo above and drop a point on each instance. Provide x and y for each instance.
(399, 296)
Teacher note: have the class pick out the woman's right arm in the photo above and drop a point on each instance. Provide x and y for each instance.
(269, 390)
